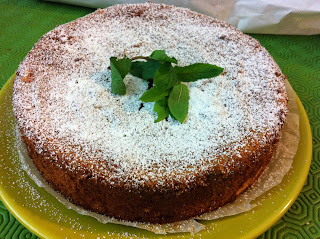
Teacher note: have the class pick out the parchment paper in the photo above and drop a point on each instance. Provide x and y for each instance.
(271, 177)
(289, 17)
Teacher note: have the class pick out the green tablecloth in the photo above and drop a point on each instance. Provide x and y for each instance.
(23, 22)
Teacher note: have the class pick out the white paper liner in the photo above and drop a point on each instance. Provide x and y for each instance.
(271, 177)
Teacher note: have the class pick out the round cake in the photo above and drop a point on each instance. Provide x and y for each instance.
(104, 152)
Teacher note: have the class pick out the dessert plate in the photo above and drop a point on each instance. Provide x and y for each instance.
(42, 214)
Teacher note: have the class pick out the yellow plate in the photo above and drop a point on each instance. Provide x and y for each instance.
(42, 214)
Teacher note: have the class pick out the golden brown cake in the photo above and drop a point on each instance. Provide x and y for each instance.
(105, 153)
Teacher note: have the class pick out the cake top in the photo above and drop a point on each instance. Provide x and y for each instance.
(63, 100)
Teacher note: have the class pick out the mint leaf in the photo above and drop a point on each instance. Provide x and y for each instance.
(165, 77)
(171, 97)
(122, 65)
(162, 109)
(119, 69)
(160, 55)
(178, 101)
(154, 94)
(144, 69)
(197, 71)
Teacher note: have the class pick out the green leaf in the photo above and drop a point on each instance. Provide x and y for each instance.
(165, 77)
(178, 102)
(197, 71)
(162, 109)
(122, 65)
(119, 69)
(144, 69)
(171, 97)
(160, 55)
(154, 94)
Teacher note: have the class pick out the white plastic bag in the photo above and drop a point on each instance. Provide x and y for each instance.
(289, 17)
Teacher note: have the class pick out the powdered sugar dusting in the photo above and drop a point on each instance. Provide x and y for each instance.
(63, 99)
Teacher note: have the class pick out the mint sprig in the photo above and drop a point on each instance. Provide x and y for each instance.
(170, 95)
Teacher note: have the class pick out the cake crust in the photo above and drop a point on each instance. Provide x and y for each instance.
(104, 153)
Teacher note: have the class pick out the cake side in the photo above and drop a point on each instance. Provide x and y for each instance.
(146, 204)
(87, 141)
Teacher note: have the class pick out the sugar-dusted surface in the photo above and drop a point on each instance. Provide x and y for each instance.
(62, 96)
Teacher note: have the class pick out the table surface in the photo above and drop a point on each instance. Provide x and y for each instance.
(23, 22)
